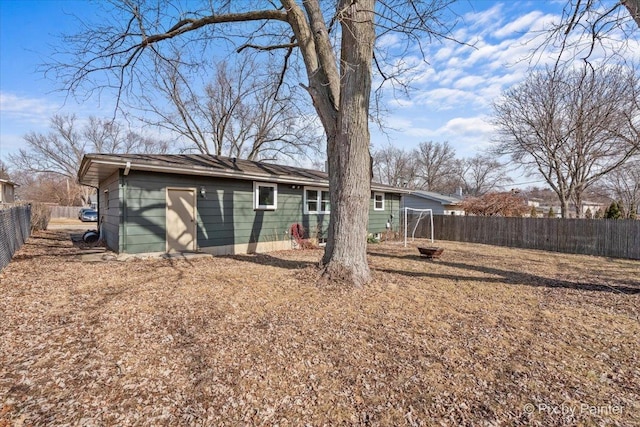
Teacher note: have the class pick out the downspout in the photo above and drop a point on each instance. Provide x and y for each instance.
(127, 168)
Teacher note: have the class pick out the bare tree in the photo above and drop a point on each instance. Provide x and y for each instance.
(50, 188)
(60, 151)
(481, 174)
(4, 171)
(336, 46)
(624, 185)
(436, 166)
(571, 127)
(394, 166)
(240, 113)
(495, 204)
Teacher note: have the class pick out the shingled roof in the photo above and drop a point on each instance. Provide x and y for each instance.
(97, 167)
(437, 197)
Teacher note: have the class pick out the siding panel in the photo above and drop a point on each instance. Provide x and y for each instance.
(225, 216)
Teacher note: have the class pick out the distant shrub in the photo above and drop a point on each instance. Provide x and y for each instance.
(613, 212)
(40, 216)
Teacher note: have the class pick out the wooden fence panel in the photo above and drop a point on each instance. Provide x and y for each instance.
(65, 211)
(612, 238)
(633, 243)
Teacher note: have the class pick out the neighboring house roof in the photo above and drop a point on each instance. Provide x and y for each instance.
(6, 181)
(97, 167)
(437, 197)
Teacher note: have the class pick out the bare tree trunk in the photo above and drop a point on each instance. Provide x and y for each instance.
(633, 6)
(578, 206)
(348, 152)
(564, 207)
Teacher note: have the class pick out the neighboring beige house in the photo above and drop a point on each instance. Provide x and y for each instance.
(591, 206)
(7, 191)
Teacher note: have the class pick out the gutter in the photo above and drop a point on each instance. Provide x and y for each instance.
(219, 174)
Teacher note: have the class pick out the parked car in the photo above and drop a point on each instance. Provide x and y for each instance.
(81, 211)
(88, 215)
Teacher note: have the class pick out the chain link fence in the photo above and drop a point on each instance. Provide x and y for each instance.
(15, 228)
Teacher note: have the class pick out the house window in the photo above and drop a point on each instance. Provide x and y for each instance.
(316, 201)
(265, 196)
(378, 201)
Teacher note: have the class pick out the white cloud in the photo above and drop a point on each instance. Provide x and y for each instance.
(398, 123)
(467, 126)
(442, 99)
(10, 143)
(468, 82)
(486, 19)
(31, 110)
(520, 25)
(387, 41)
(467, 135)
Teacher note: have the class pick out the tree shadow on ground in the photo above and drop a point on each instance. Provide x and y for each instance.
(404, 257)
(266, 259)
(46, 244)
(512, 277)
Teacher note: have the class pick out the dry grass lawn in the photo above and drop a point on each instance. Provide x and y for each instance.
(483, 336)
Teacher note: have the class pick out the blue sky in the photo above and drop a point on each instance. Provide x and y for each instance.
(450, 97)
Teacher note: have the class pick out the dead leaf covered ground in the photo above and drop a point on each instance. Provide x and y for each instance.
(483, 336)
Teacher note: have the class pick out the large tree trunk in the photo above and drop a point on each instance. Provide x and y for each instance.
(633, 6)
(345, 257)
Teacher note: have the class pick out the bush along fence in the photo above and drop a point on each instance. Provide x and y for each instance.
(15, 229)
(601, 237)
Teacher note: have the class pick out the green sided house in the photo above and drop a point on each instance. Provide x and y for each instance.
(218, 205)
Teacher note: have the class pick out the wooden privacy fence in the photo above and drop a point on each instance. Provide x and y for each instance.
(15, 228)
(65, 211)
(602, 237)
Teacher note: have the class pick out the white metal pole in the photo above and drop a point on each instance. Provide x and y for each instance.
(431, 216)
(405, 227)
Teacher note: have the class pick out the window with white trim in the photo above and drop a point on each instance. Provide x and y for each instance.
(265, 196)
(316, 201)
(378, 201)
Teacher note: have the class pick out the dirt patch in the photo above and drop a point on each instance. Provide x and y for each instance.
(482, 336)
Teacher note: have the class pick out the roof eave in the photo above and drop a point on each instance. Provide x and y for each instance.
(88, 161)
